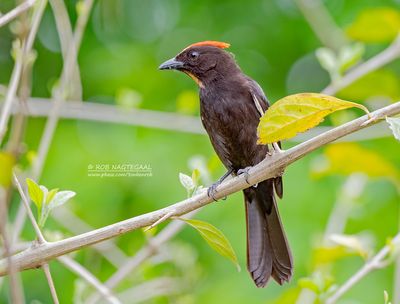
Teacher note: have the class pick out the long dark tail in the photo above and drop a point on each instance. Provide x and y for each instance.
(268, 252)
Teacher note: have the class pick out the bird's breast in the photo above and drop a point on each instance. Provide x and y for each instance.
(232, 127)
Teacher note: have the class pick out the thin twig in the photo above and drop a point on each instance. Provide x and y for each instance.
(73, 223)
(46, 269)
(88, 277)
(369, 266)
(351, 189)
(15, 286)
(16, 74)
(41, 240)
(65, 34)
(391, 53)
(6, 18)
(268, 168)
(11, 91)
(142, 255)
(91, 111)
(146, 291)
(25, 201)
(322, 23)
(51, 124)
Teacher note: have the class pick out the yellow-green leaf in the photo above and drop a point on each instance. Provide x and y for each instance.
(348, 158)
(298, 113)
(375, 25)
(7, 161)
(35, 193)
(50, 195)
(328, 255)
(215, 238)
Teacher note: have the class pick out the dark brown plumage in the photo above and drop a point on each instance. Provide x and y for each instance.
(231, 105)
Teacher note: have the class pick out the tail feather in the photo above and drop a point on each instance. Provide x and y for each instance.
(268, 253)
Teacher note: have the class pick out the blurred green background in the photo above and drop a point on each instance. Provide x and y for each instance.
(123, 45)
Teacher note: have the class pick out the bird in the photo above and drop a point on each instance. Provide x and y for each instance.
(231, 105)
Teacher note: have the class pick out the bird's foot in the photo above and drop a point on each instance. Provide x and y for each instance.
(245, 172)
(211, 191)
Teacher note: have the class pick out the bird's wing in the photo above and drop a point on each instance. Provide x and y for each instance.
(260, 100)
(262, 104)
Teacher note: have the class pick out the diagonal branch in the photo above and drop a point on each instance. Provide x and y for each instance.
(389, 54)
(270, 167)
(88, 277)
(372, 264)
(15, 12)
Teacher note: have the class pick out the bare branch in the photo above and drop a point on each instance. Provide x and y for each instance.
(16, 74)
(322, 23)
(85, 110)
(15, 286)
(41, 239)
(91, 111)
(65, 34)
(369, 266)
(51, 124)
(143, 254)
(270, 167)
(46, 269)
(25, 201)
(88, 277)
(6, 18)
(154, 288)
(108, 249)
(391, 53)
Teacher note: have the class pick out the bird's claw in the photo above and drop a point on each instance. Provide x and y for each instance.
(245, 172)
(212, 190)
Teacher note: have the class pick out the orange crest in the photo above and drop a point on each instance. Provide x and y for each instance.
(218, 44)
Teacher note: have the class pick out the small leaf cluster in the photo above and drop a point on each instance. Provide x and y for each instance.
(46, 200)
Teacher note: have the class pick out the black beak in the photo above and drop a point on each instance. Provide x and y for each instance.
(171, 64)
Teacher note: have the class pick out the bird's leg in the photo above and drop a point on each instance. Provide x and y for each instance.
(213, 188)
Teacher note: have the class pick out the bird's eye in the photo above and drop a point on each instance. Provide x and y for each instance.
(194, 55)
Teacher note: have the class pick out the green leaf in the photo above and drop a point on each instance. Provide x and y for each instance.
(50, 195)
(196, 177)
(186, 181)
(327, 59)
(375, 25)
(298, 113)
(350, 55)
(309, 284)
(328, 255)
(351, 242)
(52, 199)
(60, 198)
(215, 238)
(7, 162)
(35, 193)
(394, 125)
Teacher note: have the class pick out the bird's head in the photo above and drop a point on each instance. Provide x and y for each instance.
(203, 61)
